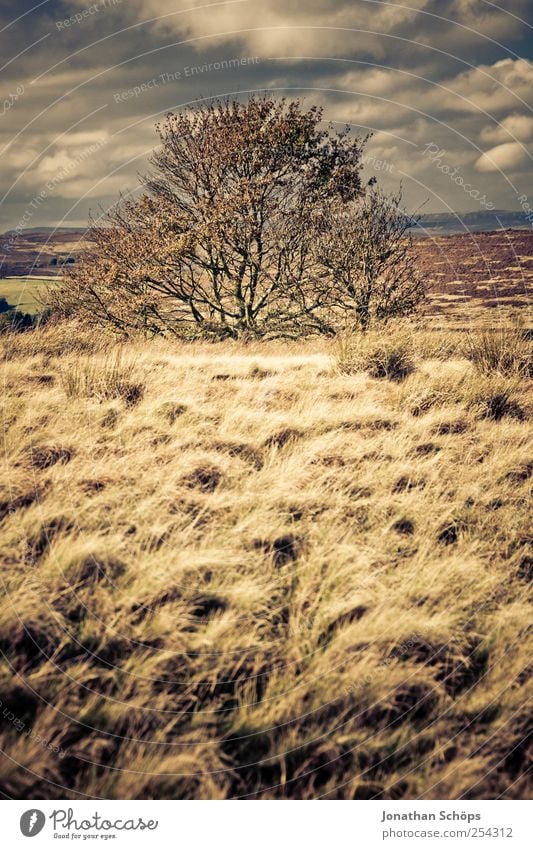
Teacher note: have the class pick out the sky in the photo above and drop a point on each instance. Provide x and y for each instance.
(445, 86)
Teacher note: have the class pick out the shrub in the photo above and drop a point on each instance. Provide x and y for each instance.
(505, 351)
(382, 357)
(15, 321)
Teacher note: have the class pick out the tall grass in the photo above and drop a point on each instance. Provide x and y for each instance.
(380, 353)
(503, 351)
(270, 577)
(113, 376)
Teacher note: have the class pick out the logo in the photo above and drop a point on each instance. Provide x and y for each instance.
(32, 822)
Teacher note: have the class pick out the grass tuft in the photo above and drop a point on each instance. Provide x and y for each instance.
(503, 351)
(381, 355)
(113, 377)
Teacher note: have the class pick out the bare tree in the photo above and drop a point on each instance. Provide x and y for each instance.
(367, 247)
(120, 279)
(221, 241)
(253, 220)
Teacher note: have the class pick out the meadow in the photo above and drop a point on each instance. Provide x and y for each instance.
(277, 570)
(26, 293)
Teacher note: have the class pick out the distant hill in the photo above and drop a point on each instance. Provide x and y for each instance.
(40, 251)
(29, 231)
(43, 251)
(447, 223)
(443, 222)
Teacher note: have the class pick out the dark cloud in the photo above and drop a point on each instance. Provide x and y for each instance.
(91, 80)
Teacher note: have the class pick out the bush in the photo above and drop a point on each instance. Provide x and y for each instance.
(507, 352)
(15, 321)
(391, 358)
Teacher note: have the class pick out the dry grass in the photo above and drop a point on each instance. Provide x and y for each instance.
(102, 378)
(387, 356)
(266, 577)
(505, 352)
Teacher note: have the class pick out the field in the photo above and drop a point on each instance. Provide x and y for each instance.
(25, 293)
(490, 273)
(38, 252)
(264, 571)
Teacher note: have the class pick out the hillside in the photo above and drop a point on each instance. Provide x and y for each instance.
(479, 277)
(480, 270)
(40, 252)
(483, 220)
(259, 571)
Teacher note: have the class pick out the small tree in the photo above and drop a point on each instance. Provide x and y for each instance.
(367, 247)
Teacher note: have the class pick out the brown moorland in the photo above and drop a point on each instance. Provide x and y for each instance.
(267, 570)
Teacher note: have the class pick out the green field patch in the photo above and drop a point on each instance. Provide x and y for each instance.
(26, 293)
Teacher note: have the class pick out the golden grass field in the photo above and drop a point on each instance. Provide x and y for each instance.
(259, 571)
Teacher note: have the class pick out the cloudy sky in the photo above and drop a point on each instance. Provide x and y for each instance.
(446, 86)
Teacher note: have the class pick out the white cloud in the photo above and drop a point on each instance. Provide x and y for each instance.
(512, 128)
(507, 157)
(287, 27)
(494, 88)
